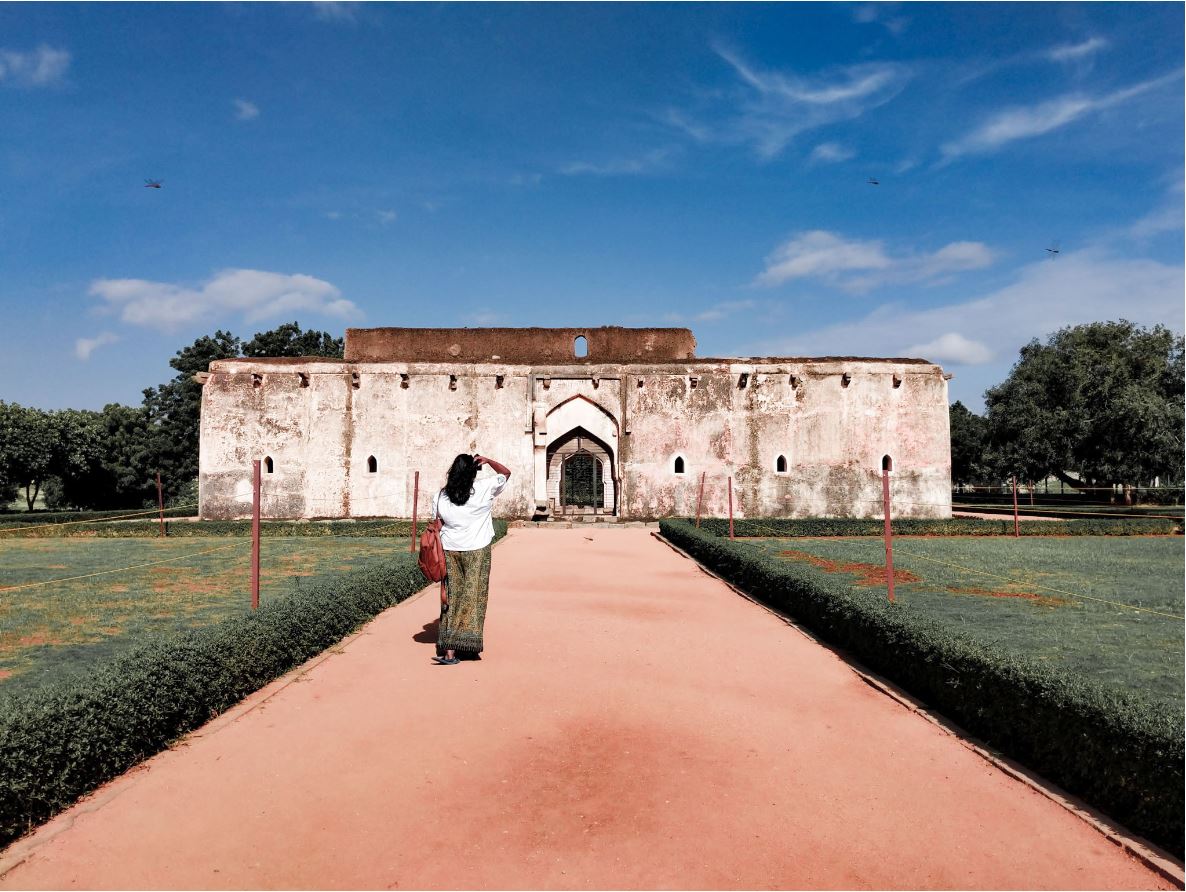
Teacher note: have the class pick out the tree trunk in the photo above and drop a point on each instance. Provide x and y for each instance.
(29, 500)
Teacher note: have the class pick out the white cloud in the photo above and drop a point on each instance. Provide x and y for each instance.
(1085, 286)
(775, 107)
(386, 217)
(714, 313)
(42, 67)
(876, 13)
(1029, 121)
(246, 110)
(861, 265)
(830, 152)
(336, 11)
(333, 215)
(84, 347)
(619, 167)
(1073, 51)
(253, 293)
(951, 347)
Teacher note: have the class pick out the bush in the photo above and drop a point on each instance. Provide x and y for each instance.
(1123, 755)
(957, 526)
(137, 529)
(59, 742)
(37, 518)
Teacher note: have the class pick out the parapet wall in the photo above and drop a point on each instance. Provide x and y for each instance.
(537, 346)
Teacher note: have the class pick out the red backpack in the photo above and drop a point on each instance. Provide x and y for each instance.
(432, 553)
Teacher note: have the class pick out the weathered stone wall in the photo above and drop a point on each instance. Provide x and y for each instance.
(321, 422)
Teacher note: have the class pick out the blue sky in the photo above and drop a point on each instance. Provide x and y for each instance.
(525, 164)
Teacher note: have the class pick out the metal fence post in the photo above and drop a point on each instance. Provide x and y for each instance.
(1016, 527)
(730, 506)
(415, 503)
(255, 535)
(889, 535)
(160, 500)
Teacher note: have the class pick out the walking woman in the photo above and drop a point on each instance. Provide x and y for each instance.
(467, 531)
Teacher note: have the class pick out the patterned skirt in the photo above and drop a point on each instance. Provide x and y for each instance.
(468, 583)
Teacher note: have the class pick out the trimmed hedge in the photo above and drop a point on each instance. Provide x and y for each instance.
(150, 529)
(15, 518)
(956, 526)
(1122, 754)
(62, 741)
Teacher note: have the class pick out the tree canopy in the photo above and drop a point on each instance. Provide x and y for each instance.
(1104, 399)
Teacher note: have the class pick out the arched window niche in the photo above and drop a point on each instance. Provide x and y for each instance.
(887, 463)
(679, 464)
(780, 465)
(580, 347)
(372, 465)
(268, 466)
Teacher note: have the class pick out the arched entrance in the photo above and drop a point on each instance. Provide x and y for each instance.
(580, 476)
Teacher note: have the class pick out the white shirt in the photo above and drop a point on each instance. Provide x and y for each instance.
(469, 527)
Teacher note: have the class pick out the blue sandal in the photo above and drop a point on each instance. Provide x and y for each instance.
(446, 661)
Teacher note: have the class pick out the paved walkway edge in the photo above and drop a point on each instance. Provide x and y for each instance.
(1152, 856)
(18, 852)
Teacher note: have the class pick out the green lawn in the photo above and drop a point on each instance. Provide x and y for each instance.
(1066, 601)
(64, 627)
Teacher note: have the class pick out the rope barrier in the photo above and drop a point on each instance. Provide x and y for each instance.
(850, 541)
(172, 560)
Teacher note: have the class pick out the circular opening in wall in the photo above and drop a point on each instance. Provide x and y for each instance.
(580, 347)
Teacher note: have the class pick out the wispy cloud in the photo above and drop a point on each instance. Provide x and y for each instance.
(245, 110)
(1084, 286)
(859, 266)
(770, 108)
(84, 347)
(1026, 122)
(881, 14)
(329, 11)
(951, 347)
(831, 153)
(1071, 52)
(254, 294)
(714, 313)
(42, 67)
(619, 167)
(386, 216)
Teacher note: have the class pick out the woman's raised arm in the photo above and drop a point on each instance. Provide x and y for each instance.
(498, 468)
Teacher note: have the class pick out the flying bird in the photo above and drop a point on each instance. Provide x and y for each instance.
(1053, 250)
(152, 184)
(873, 182)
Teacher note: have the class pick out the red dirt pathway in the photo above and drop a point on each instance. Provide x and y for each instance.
(634, 724)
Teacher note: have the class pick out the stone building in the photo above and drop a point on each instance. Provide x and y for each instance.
(607, 422)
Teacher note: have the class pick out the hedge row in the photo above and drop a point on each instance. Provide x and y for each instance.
(1123, 754)
(956, 526)
(148, 529)
(15, 518)
(59, 742)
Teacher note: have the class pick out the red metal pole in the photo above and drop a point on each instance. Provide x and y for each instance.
(1016, 528)
(415, 501)
(730, 506)
(160, 500)
(255, 536)
(700, 499)
(889, 536)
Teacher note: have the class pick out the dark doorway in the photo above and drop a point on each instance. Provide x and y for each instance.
(581, 483)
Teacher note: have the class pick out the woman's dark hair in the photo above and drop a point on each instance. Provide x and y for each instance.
(460, 485)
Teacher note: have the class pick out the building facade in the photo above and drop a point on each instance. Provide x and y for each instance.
(613, 422)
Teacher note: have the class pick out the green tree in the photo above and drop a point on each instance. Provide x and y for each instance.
(173, 409)
(289, 340)
(969, 440)
(1104, 399)
(27, 448)
(119, 473)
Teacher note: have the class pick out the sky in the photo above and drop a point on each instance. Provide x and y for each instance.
(785, 180)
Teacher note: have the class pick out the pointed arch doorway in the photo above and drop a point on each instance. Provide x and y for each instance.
(581, 478)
